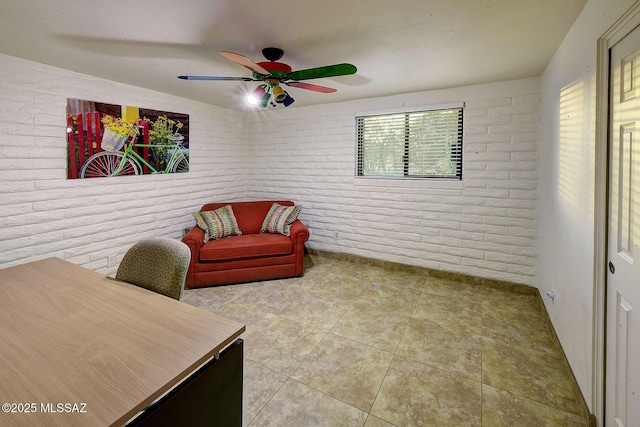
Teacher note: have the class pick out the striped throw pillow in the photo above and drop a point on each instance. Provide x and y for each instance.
(279, 219)
(218, 223)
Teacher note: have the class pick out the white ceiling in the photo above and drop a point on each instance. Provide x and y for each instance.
(398, 47)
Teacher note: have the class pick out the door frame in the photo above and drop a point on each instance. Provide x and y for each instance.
(620, 29)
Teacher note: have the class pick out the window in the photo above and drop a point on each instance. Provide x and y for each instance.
(411, 144)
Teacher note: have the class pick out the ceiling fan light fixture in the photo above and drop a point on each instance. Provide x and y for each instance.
(288, 100)
(259, 96)
(265, 100)
(279, 94)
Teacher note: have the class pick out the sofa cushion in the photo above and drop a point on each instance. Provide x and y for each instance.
(217, 223)
(246, 246)
(279, 219)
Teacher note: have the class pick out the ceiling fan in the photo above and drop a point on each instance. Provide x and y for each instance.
(274, 73)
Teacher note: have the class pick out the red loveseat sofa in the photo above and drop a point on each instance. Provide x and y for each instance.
(248, 257)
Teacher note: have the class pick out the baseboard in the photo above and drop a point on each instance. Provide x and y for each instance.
(588, 416)
(428, 272)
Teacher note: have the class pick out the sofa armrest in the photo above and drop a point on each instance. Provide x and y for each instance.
(194, 239)
(299, 234)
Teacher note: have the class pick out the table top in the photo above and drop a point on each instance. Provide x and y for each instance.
(79, 348)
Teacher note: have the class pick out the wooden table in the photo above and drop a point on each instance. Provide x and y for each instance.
(78, 348)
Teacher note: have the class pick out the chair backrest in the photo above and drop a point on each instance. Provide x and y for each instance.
(159, 264)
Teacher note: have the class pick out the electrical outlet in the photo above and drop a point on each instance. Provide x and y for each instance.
(335, 235)
(112, 260)
(551, 295)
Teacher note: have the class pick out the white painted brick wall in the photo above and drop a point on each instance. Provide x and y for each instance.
(484, 225)
(93, 222)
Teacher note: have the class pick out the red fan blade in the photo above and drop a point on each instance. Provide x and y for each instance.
(245, 62)
(309, 86)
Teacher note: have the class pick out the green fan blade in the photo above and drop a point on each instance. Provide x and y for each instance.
(319, 72)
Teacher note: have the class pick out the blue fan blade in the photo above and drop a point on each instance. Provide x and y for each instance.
(243, 79)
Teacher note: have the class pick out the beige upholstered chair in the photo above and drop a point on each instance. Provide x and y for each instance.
(159, 264)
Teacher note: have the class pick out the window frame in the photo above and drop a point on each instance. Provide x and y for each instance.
(456, 156)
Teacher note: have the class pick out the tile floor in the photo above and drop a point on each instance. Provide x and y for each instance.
(351, 344)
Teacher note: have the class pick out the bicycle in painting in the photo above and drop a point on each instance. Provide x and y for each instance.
(115, 162)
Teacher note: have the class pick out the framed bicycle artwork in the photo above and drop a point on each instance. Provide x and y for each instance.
(106, 140)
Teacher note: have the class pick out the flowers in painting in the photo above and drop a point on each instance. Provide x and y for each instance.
(162, 132)
(119, 126)
(162, 129)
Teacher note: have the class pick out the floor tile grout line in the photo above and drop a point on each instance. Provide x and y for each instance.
(352, 299)
(265, 404)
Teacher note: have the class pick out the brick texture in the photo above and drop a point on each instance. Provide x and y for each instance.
(484, 225)
(93, 222)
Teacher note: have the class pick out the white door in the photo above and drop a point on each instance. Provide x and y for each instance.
(622, 401)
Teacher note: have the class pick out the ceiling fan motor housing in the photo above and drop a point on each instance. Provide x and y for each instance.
(272, 53)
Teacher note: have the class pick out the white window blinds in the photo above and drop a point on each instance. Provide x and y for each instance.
(416, 144)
